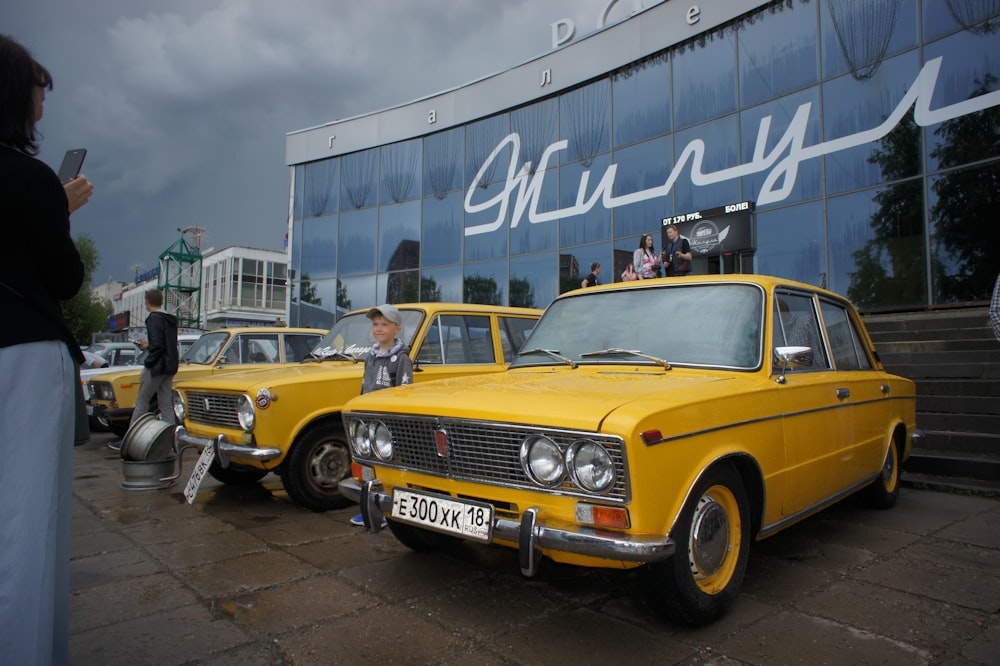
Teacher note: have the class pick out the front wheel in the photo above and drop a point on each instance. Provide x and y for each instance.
(317, 463)
(712, 533)
(884, 490)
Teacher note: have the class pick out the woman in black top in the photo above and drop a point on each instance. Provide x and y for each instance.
(39, 266)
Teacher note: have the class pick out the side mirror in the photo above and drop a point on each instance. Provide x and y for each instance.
(792, 358)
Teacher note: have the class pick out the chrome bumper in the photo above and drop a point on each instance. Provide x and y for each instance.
(531, 534)
(224, 449)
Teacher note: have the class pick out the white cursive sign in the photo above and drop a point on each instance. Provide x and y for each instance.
(781, 163)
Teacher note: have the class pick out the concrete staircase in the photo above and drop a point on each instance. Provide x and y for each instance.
(955, 361)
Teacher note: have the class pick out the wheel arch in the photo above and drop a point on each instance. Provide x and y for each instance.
(330, 419)
(750, 474)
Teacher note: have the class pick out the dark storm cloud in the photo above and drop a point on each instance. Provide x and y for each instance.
(184, 105)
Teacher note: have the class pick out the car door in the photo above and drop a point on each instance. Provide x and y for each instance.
(865, 393)
(818, 430)
(456, 345)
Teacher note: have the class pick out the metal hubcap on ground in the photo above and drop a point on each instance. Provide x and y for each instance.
(329, 465)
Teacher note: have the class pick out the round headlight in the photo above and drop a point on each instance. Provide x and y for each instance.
(245, 413)
(590, 466)
(358, 433)
(381, 440)
(542, 461)
(180, 408)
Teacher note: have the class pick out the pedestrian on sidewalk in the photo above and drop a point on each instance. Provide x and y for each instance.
(39, 358)
(160, 365)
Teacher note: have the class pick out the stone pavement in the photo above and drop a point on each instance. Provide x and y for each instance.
(246, 577)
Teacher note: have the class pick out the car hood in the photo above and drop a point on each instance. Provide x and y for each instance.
(250, 380)
(558, 397)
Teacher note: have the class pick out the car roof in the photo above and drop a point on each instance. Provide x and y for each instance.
(264, 329)
(433, 307)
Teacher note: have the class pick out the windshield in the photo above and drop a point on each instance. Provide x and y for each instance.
(351, 337)
(206, 348)
(714, 325)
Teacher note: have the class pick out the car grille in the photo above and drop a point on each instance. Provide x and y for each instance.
(488, 452)
(213, 409)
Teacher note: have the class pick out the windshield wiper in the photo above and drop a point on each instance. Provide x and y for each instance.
(614, 351)
(554, 353)
(326, 353)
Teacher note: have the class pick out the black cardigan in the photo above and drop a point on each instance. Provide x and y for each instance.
(38, 259)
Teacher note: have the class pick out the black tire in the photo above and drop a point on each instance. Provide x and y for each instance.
(236, 476)
(884, 490)
(702, 579)
(419, 539)
(317, 463)
(98, 424)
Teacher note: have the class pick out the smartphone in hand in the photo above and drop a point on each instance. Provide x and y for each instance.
(71, 164)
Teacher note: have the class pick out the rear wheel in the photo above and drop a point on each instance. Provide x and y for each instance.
(884, 490)
(419, 539)
(712, 533)
(317, 463)
(235, 476)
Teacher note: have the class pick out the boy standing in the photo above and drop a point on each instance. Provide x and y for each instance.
(388, 363)
(160, 365)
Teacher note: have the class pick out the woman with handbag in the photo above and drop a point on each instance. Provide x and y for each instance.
(39, 266)
(645, 261)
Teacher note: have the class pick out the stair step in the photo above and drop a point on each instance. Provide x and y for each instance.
(987, 424)
(960, 387)
(943, 463)
(956, 404)
(952, 357)
(951, 484)
(980, 334)
(975, 443)
(963, 370)
(970, 345)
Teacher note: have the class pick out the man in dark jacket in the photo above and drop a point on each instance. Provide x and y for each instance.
(161, 362)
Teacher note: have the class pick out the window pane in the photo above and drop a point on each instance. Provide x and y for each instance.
(533, 280)
(595, 224)
(584, 121)
(575, 262)
(321, 185)
(319, 246)
(705, 78)
(443, 162)
(398, 287)
(641, 100)
(856, 36)
(491, 243)
(853, 106)
(399, 236)
(442, 230)
(721, 138)
(642, 167)
(536, 127)
(357, 241)
(769, 66)
(359, 180)
(400, 171)
(485, 283)
(480, 140)
(353, 294)
(790, 243)
(441, 285)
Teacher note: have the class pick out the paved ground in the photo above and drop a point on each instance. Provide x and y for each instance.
(246, 577)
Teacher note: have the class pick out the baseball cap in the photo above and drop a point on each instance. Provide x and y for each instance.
(389, 312)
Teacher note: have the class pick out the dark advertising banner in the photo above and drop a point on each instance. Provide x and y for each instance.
(119, 322)
(714, 231)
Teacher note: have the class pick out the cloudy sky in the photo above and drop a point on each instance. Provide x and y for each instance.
(184, 105)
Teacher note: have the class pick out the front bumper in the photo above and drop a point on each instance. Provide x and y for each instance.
(531, 534)
(224, 448)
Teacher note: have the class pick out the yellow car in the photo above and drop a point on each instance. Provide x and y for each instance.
(664, 423)
(288, 420)
(113, 394)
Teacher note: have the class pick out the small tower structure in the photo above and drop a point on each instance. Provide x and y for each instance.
(180, 277)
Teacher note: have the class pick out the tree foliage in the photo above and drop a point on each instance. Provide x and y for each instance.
(86, 313)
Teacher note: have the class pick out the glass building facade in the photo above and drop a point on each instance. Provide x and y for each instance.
(866, 132)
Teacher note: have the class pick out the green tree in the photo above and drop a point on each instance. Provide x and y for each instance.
(430, 292)
(522, 294)
(85, 313)
(483, 290)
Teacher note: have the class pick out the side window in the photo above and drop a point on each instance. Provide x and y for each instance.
(253, 349)
(125, 357)
(298, 346)
(845, 342)
(795, 324)
(458, 340)
(513, 332)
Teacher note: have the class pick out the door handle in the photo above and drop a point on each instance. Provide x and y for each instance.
(843, 394)
(885, 389)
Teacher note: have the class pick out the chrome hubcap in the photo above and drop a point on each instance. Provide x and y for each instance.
(330, 464)
(709, 538)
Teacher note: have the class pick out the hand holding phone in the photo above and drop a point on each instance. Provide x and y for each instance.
(71, 164)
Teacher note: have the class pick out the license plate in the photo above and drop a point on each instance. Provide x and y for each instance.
(200, 470)
(469, 520)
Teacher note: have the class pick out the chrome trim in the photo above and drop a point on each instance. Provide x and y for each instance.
(532, 533)
(224, 449)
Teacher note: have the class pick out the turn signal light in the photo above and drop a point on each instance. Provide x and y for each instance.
(602, 516)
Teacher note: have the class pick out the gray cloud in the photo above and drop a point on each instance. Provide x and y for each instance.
(184, 106)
